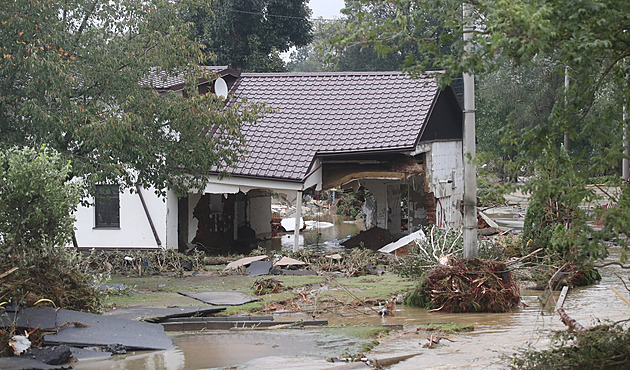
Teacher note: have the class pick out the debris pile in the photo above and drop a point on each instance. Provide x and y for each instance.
(52, 276)
(267, 286)
(472, 285)
(142, 262)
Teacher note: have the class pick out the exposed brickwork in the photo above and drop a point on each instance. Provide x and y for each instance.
(431, 209)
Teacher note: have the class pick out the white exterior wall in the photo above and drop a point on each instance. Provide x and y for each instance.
(260, 213)
(445, 179)
(134, 230)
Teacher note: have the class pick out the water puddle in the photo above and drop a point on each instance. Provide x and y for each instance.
(324, 233)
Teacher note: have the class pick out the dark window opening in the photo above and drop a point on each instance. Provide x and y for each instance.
(107, 205)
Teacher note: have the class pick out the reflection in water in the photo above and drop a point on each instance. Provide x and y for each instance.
(322, 234)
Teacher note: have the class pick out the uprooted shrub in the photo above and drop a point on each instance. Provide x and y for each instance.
(467, 285)
(601, 347)
(48, 276)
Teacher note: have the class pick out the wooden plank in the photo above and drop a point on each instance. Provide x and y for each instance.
(620, 296)
(562, 297)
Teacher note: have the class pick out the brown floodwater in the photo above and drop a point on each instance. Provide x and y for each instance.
(495, 338)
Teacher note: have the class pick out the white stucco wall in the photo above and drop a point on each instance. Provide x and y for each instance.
(445, 179)
(134, 230)
(260, 212)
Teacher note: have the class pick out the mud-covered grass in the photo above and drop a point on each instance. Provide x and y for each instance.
(447, 327)
(367, 334)
(300, 292)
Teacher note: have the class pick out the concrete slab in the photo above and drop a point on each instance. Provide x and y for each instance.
(159, 314)
(105, 330)
(259, 268)
(222, 298)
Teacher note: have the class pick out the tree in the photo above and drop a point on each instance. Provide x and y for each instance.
(332, 48)
(248, 35)
(73, 77)
(36, 200)
(589, 38)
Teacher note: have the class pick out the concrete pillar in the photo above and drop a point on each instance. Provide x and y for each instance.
(298, 226)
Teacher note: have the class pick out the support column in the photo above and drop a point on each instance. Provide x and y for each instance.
(298, 226)
(470, 180)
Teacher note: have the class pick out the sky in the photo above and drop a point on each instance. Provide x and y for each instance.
(326, 8)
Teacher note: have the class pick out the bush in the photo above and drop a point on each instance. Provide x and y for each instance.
(601, 347)
(36, 200)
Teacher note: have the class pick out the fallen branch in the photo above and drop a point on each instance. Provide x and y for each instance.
(613, 263)
(522, 258)
(8, 272)
(568, 321)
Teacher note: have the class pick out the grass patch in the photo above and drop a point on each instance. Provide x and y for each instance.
(368, 334)
(448, 327)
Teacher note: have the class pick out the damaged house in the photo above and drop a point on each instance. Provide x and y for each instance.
(398, 137)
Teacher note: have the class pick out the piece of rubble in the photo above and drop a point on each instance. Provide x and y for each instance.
(402, 245)
(288, 261)
(258, 268)
(244, 262)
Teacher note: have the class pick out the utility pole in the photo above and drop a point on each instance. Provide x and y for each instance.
(626, 151)
(470, 175)
(566, 105)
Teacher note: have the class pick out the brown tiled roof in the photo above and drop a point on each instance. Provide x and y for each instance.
(324, 113)
(160, 80)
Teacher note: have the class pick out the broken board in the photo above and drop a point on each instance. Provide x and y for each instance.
(222, 298)
(159, 314)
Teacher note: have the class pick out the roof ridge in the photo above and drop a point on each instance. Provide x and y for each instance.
(324, 74)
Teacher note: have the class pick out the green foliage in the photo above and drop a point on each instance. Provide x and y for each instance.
(417, 297)
(349, 204)
(73, 76)
(554, 219)
(602, 347)
(36, 200)
(248, 35)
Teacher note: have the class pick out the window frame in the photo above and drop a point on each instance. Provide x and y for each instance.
(107, 207)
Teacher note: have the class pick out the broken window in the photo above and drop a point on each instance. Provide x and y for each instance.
(107, 206)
